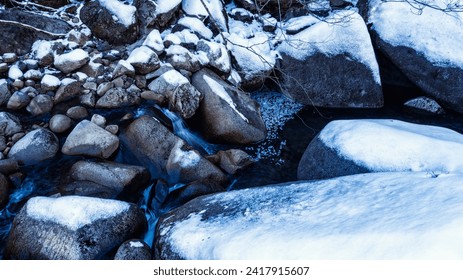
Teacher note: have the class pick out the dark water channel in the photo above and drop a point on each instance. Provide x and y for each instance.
(277, 158)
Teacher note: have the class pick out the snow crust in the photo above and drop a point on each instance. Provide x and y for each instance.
(73, 212)
(125, 14)
(41, 49)
(435, 34)
(392, 145)
(222, 93)
(342, 33)
(366, 216)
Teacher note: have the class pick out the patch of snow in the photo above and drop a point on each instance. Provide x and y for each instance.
(244, 30)
(73, 56)
(41, 48)
(125, 14)
(222, 93)
(392, 145)
(433, 33)
(14, 72)
(50, 81)
(254, 55)
(174, 77)
(366, 216)
(196, 25)
(141, 54)
(67, 81)
(73, 212)
(342, 33)
(136, 244)
(154, 40)
(187, 37)
(163, 6)
(172, 37)
(184, 158)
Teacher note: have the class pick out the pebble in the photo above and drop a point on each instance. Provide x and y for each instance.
(60, 123)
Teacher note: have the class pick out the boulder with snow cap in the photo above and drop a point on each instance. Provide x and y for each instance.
(424, 45)
(347, 147)
(111, 20)
(165, 154)
(89, 139)
(71, 61)
(182, 59)
(217, 55)
(37, 145)
(227, 114)
(72, 228)
(183, 98)
(253, 58)
(213, 9)
(336, 69)
(144, 60)
(403, 215)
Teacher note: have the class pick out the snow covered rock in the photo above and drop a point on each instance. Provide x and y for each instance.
(9, 124)
(195, 25)
(134, 249)
(19, 29)
(331, 63)
(71, 61)
(111, 20)
(42, 50)
(123, 67)
(424, 45)
(366, 216)
(41, 104)
(347, 147)
(5, 93)
(254, 58)
(37, 145)
(116, 176)
(49, 82)
(196, 8)
(216, 54)
(182, 97)
(4, 190)
(144, 60)
(226, 113)
(156, 13)
(89, 139)
(118, 97)
(424, 104)
(182, 59)
(154, 41)
(166, 155)
(15, 73)
(72, 228)
(60, 123)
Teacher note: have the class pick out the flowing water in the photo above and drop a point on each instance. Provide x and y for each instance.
(290, 127)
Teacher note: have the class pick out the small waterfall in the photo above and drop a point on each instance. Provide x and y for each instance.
(182, 131)
(150, 214)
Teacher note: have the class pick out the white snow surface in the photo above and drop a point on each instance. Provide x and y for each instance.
(136, 244)
(50, 81)
(367, 216)
(184, 158)
(435, 34)
(220, 91)
(142, 54)
(254, 56)
(215, 7)
(393, 145)
(125, 13)
(14, 72)
(73, 212)
(165, 6)
(76, 56)
(342, 33)
(41, 48)
(196, 25)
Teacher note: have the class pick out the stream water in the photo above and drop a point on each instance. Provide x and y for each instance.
(291, 128)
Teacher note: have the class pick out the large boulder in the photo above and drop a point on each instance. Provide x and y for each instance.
(71, 61)
(89, 139)
(226, 113)
(424, 45)
(166, 155)
(115, 176)
(367, 216)
(331, 63)
(183, 98)
(111, 20)
(19, 29)
(347, 147)
(72, 228)
(37, 145)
